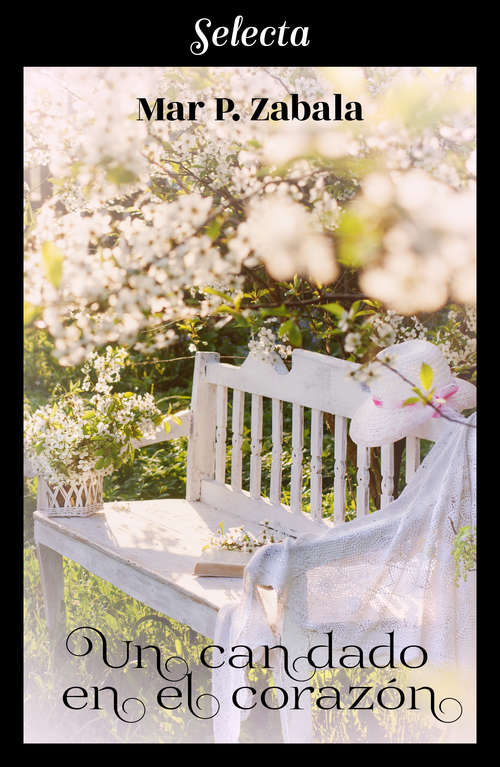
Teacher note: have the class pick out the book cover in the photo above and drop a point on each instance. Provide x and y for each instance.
(249, 306)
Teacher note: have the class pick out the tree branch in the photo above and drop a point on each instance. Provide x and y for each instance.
(434, 407)
(307, 301)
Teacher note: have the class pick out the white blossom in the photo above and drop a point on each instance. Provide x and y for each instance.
(144, 215)
(72, 434)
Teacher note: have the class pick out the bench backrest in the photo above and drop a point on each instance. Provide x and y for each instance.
(317, 388)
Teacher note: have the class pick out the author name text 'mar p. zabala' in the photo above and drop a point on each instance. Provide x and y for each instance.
(261, 109)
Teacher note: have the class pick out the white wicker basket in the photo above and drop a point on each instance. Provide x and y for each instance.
(71, 499)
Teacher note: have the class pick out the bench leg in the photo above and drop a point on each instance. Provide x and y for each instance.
(51, 571)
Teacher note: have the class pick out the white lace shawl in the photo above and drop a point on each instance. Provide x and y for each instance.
(391, 571)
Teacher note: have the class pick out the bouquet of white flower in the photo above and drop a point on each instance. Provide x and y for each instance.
(227, 554)
(90, 428)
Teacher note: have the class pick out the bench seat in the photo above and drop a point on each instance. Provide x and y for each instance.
(148, 549)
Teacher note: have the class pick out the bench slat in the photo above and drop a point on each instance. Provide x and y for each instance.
(237, 441)
(297, 448)
(363, 477)
(316, 463)
(277, 451)
(412, 457)
(161, 435)
(340, 469)
(221, 434)
(256, 446)
(387, 470)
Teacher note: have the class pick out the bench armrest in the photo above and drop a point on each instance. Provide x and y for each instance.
(176, 429)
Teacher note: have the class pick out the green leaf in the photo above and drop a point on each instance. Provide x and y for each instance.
(166, 426)
(411, 401)
(363, 312)
(118, 174)
(52, 261)
(31, 312)
(426, 376)
(290, 329)
(213, 228)
(355, 307)
(213, 292)
(241, 321)
(224, 309)
(277, 311)
(334, 308)
(177, 420)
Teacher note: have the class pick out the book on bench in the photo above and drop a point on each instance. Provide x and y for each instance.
(222, 563)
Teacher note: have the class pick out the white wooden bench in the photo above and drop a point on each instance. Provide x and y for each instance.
(148, 548)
